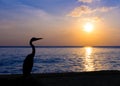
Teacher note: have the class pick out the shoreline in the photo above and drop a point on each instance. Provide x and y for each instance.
(95, 78)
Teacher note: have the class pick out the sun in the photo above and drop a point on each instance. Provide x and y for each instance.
(88, 27)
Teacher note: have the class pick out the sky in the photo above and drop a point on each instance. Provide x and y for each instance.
(60, 22)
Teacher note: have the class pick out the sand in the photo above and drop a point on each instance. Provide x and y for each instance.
(97, 78)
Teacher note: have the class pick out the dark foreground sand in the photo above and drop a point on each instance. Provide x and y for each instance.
(98, 78)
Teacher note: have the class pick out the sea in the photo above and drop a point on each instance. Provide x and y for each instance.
(58, 59)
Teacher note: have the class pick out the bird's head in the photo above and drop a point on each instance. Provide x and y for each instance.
(35, 39)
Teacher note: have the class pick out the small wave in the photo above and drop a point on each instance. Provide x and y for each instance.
(49, 60)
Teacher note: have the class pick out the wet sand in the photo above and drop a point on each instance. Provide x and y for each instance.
(97, 78)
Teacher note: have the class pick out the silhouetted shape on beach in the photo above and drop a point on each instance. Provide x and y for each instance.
(28, 62)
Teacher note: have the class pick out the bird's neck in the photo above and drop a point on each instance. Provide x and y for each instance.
(33, 48)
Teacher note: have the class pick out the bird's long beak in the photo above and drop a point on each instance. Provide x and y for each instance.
(39, 38)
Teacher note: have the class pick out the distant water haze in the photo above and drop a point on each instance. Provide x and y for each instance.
(60, 59)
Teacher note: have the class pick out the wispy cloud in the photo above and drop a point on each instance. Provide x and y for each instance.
(84, 10)
(28, 21)
(25, 14)
(24, 20)
(85, 1)
(78, 11)
(93, 19)
(105, 9)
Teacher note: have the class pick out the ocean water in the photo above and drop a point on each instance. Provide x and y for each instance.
(60, 59)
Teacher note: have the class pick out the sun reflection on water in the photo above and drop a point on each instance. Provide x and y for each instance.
(89, 60)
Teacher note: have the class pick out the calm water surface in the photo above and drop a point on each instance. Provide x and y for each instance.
(64, 59)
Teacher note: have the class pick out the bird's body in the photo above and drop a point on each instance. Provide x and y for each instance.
(27, 65)
(28, 62)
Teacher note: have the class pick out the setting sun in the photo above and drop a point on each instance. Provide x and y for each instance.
(88, 27)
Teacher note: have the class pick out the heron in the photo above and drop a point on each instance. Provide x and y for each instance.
(28, 62)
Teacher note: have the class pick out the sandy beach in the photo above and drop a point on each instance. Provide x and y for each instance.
(97, 78)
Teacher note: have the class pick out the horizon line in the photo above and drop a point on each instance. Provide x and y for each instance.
(59, 46)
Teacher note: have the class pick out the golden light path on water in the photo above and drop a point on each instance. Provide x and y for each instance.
(89, 60)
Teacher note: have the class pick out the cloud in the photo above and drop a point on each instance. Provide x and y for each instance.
(85, 1)
(93, 19)
(26, 21)
(105, 9)
(24, 13)
(80, 10)
(84, 10)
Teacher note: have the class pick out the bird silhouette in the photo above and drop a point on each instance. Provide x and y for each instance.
(28, 62)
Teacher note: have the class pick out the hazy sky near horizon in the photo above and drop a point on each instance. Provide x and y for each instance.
(59, 22)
